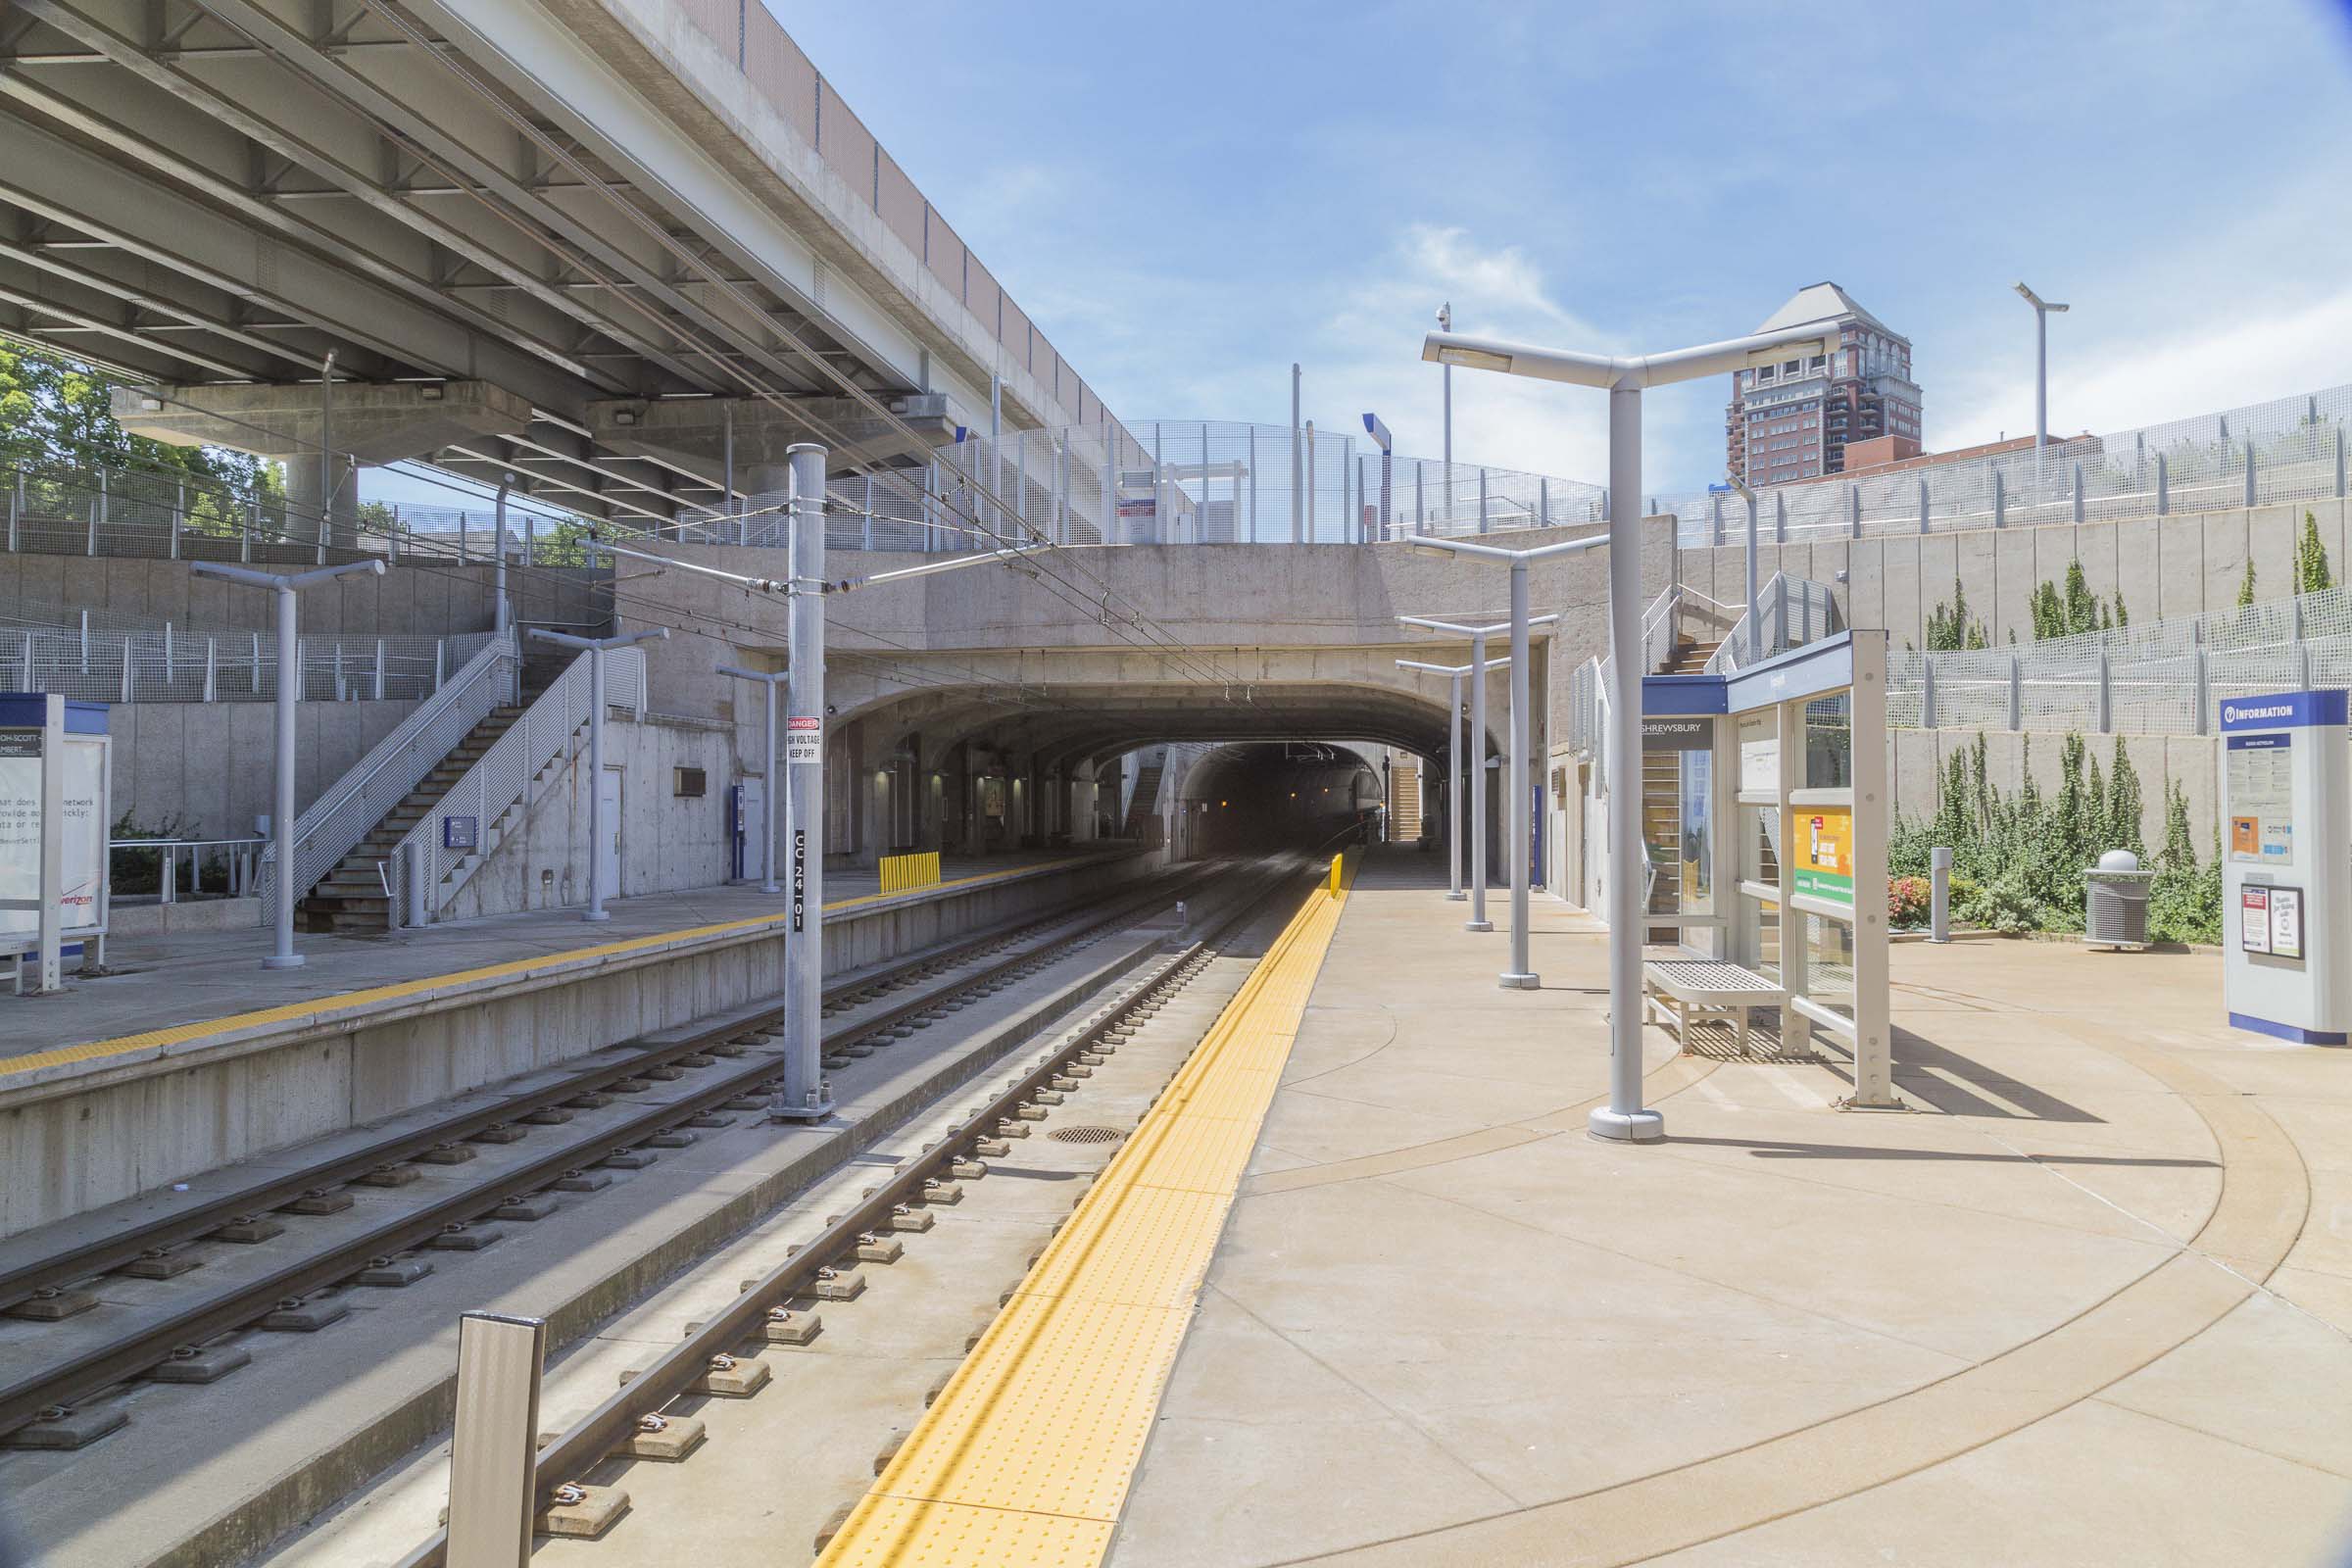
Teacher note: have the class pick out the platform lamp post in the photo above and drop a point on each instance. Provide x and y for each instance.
(767, 780)
(287, 586)
(2043, 310)
(597, 827)
(1623, 1117)
(1519, 976)
(1755, 620)
(1453, 769)
(1379, 433)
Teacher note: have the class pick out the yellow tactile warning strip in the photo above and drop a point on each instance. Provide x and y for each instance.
(297, 1011)
(1026, 1456)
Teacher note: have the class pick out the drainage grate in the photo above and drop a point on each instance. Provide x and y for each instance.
(1086, 1135)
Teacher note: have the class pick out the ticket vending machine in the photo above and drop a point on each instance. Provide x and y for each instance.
(2287, 878)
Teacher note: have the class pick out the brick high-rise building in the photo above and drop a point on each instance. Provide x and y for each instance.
(1792, 421)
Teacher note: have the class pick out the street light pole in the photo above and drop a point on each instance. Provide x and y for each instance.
(287, 586)
(770, 784)
(1755, 621)
(2042, 310)
(1624, 378)
(596, 648)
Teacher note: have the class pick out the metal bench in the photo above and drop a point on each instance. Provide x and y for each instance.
(1704, 988)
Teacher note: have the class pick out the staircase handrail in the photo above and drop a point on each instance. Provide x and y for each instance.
(396, 764)
(501, 778)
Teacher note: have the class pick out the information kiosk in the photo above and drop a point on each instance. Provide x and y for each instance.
(53, 816)
(2286, 902)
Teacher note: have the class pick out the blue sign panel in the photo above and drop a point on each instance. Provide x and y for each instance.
(460, 833)
(2285, 710)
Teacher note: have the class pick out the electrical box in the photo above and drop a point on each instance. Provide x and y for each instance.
(2286, 882)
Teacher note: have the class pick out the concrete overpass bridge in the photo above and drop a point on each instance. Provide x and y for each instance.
(1006, 673)
(627, 249)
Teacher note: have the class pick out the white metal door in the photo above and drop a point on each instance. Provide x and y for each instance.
(608, 806)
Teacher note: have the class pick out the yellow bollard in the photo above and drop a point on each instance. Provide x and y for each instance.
(1335, 874)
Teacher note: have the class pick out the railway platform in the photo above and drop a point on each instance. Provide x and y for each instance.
(1442, 1325)
(190, 1057)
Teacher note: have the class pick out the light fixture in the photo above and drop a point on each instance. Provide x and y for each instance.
(432, 391)
(1475, 360)
(624, 416)
(151, 405)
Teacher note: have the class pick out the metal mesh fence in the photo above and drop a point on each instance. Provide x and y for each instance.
(1210, 481)
(2163, 677)
(109, 659)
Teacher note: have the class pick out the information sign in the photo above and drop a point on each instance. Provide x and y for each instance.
(1823, 847)
(803, 740)
(2254, 919)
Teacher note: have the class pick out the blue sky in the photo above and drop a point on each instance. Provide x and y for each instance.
(1188, 198)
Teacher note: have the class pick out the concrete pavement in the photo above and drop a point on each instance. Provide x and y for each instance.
(2087, 1303)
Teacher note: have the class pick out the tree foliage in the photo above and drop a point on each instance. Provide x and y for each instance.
(2017, 857)
(57, 416)
(2312, 572)
(1949, 629)
(2245, 587)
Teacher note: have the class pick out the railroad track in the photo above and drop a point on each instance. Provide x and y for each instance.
(763, 1305)
(43, 1402)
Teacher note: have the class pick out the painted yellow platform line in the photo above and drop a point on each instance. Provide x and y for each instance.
(374, 996)
(1025, 1458)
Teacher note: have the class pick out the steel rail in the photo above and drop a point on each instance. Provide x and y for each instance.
(591, 1439)
(30, 1398)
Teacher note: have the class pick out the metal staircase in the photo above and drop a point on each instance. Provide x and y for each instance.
(354, 898)
(1143, 806)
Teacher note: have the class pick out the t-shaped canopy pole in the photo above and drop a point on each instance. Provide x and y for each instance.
(1623, 378)
(599, 830)
(1453, 769)
(287, 585)
(1517, 807)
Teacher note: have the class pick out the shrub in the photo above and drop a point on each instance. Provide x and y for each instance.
(1907, 901)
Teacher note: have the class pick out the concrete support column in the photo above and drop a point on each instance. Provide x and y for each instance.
(302, 503)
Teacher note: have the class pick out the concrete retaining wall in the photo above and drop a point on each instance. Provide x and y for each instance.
(666, 842)
(442, 600)
(2182, 564)
(1919, 760)
(78, 1136)
(209, 762)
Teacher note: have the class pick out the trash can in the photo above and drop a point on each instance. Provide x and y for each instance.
(2115, 902)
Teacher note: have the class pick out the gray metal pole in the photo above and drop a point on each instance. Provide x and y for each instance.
(326, 447)
(290, 692)
(1478, 921)
(805, 1095)
(769, 791)
(1297, 511)
(1519, 977)
(726, 472)
(2041, 393)
(1939, 894)
(1624, 1118)
(1755, 611)
(595, 787)
(996, 447)
(502, 617)
(1453, 803)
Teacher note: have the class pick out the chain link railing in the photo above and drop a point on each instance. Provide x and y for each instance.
(103, 658)
(431, 862)
(365, 795)
(2161, 677)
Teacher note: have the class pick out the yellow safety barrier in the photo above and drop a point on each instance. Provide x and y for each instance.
(1025, 1458)
(1337, 863)
(904, 873)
